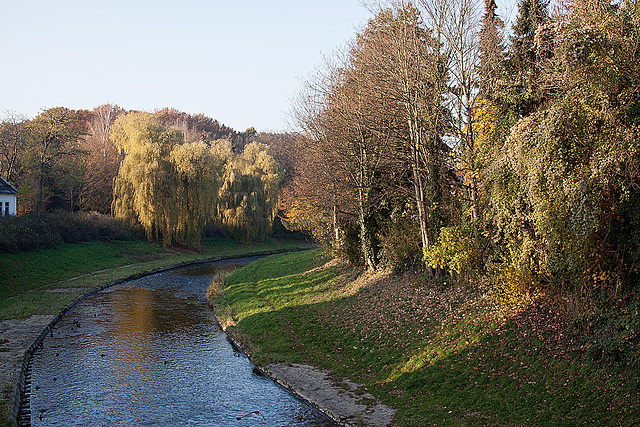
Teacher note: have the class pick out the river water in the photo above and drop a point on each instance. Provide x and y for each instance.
(150, 353)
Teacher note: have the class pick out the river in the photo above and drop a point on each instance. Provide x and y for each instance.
(150, 353)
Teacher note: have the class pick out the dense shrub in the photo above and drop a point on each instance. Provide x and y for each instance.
(30, 232)
(454, 251)
(611, 335)
(400, 243)
(512, 283)
(280, 231)
(351, 248)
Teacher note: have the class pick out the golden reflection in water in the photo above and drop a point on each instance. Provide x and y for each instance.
(149, 353)
(142, 318)
(133, 317)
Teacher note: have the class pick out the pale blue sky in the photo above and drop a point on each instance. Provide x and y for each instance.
(238, 61)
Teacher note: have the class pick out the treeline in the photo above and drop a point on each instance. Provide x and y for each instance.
(434, 142)
(169, 172)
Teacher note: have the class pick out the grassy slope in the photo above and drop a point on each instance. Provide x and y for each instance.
(28, 276)
(440, 355)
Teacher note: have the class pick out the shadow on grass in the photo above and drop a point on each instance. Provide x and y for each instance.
(441, 356)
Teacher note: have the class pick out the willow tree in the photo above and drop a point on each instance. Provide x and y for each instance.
(248, 197)
(144, 188)
(198, 180)
(170, 188)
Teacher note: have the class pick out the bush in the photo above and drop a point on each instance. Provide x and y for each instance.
(611, 336)
(453, 251)
(459, 250)
(512, 283)
(30, 232)
(280, 231)
(400, 242)
(351, 248)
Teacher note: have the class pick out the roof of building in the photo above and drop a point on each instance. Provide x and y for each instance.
(6, 188)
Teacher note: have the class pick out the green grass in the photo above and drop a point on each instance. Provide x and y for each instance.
(29, 277)
(43, 282)
(25, 271)
(440, 355)
(35, 302)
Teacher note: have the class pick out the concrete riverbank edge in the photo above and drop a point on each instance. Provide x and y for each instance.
(339, 399)
(20, 412)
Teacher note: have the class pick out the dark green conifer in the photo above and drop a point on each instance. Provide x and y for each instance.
(491, 50)
(520, 91)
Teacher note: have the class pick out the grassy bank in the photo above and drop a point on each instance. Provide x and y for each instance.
(441, 355)
(44, 281)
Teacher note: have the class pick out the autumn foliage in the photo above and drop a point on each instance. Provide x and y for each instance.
(170, 172)
(174, 188)
(434, 142)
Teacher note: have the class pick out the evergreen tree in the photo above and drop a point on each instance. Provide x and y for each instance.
(491, 48)
(520, 93)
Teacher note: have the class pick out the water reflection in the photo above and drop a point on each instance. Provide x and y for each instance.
(150, 353)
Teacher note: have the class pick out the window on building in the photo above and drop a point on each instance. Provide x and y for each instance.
(6, 208)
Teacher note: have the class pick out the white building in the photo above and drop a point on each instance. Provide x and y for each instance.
(7, 198)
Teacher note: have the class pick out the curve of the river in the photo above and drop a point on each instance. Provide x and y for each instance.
(150, 353)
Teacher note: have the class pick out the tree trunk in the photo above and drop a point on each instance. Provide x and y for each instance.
(422, 215)
(39, 195)
(475, 210)
(336, 230)
(419, 188)
(365, 234)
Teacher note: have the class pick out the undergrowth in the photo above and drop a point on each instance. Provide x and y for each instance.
(32, 232)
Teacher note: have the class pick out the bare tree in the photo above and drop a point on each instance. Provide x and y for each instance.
(100, 124)
(409, 72)
(12, 141)
(457, 25)
(102, 159)
(342, 116)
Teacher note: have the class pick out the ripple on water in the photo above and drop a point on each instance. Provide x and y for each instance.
(148, 353)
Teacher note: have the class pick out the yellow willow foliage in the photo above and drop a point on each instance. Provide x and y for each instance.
(143, 188)
(248, 197)
(173, 189)
(133, 131)
(196, 191)
(168, 187)
(259, 155)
